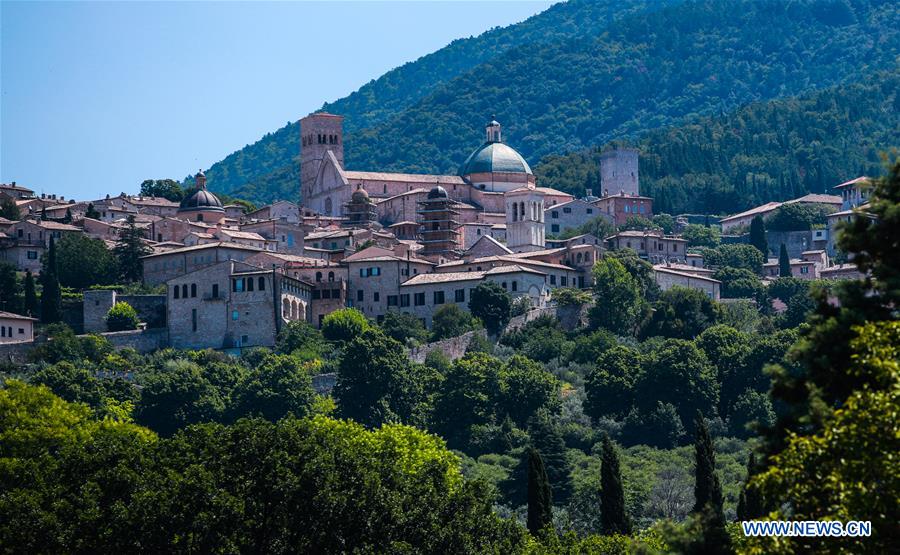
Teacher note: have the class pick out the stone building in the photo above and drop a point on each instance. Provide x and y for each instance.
(651, 245)
(668, 278)
(525, 219)
(375, 275)
(233, 305)
(619, 172)
(287, 237)
(572, 214)
(27, 240)
(15, 328)
(163, 266)
(621, 206)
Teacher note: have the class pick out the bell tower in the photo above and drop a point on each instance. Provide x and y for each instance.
(319, 133)
(525, 231)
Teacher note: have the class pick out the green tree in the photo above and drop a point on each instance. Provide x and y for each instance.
(735, 256)
(613, 516)
(177, 395)
(122, 316)
(637, 223)
(798, 217)
(129, 249)
(701, 236)
(619, 305)
(610, 385)
(665, 222)
(708, 498)
(750, 503)
(9, 210)
(83, 262)
(681, 313)
(466, 397)
(404, 327)
(51, 294)
(525, 389)
(540, 500)
(91, 212)
(679, 373)
(547, 439)
(491, 304)
(31, 302)
(758, 235)
(451, 321)
(301, 340)
(165, 188)
(640, 270)
(9, 284)
(784, 262)
(278, 386)
(343, 325)
(739, 283)
(378, 384)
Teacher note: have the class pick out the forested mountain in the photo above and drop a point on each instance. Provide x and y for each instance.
(647, 71)
(774, 150)
(270, 158)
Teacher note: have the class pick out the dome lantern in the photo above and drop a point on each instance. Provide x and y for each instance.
(492, 131)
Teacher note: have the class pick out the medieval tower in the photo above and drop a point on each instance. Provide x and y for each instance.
(319, 133)
(525, 229)
(619, 172)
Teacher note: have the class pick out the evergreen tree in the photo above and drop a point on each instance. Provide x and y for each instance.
(91, 212)
(758, 235)
(547, 438)
(129, 250)
(51, 296)
(712, 537)
(784, 262)
(9, 285)
(613, 517)
(31, 303)
(707, 489)
(540, 500)
(67, 219)
(9, 210)
(750, 502)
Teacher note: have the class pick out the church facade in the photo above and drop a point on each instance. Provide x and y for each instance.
(479, 188)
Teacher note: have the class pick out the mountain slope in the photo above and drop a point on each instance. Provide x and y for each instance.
(400, 88)
(772, 150)
(649, 70)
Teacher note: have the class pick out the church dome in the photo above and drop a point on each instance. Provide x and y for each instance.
(437, 192)
(201, 199)
(359, 195)
(494, 157)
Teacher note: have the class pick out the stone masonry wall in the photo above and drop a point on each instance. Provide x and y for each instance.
(452, 347)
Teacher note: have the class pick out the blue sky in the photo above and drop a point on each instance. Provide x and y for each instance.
(97, 97)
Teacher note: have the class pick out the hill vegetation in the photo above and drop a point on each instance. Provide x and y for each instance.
(775, 150)
(648, 71)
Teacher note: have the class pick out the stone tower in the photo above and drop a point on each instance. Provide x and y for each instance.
(619, 172)
(438, 224)
(525, 219)
(319, 133)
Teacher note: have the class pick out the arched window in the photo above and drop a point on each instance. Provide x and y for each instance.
(515, 213)
(578, 258)
(328, 206)
(330, 276)
(177, 291)
(193, 290)
(262, 283)
(199, 217)
(522, 210)
(318, 276)
(184, 291)
(250, 284)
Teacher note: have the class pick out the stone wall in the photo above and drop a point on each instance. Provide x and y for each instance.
(324, 383)
(517, 322)
(16, 353)
(452, 347)
(142, 341)
(151, 309)
(795, 241)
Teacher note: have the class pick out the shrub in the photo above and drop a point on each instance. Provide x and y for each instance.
(122, 316)
(344, 325)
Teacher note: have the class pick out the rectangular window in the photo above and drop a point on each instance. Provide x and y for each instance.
(32, 255)
(316, 294)
(552, 279)
(326, 293)
(404, 299)
(554, 214)
(362, 272)
(245, 339)
(515, 286)
(193, 290)
(460, 295)
(438, 297)
(590, 210)
(21, 331)
(215, 290)
(554, 228)
(675, 247)
(567, 210)
(419, 299)
(250, 284)
(335, 293)
(375, 271)
(564, 281)
(193, 319)
(237, 285)
(177, 290)
(376, 296)
(360, 295)
(234, 314)
(392, 300)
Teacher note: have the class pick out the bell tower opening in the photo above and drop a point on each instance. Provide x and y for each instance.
(492, 131)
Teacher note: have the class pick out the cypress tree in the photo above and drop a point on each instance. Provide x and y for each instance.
(540, 500)
(31, 304)
(129, 250)
(547, 438)
(784, 262)
(51, 296)
(758, 235)
(613, 518)
(750, 503)
(713, 538)
(67, 219)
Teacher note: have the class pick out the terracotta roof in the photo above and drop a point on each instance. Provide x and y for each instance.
(405, 177)
(851, 182)
(57, 226)
(840, 268)
(152, 201)
(13, 316)
(490, 239)
(226, 245)
(686, 268)
(550, 191)
(764, 209)
(243, 234)
(424, 279)
(816, 198)
(382, 255)
(665, 270)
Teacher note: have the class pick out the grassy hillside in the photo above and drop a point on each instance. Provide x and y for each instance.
(772, 150)
(648, 71)
(400, 88)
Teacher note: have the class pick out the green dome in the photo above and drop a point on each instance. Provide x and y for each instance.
(494, 157)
